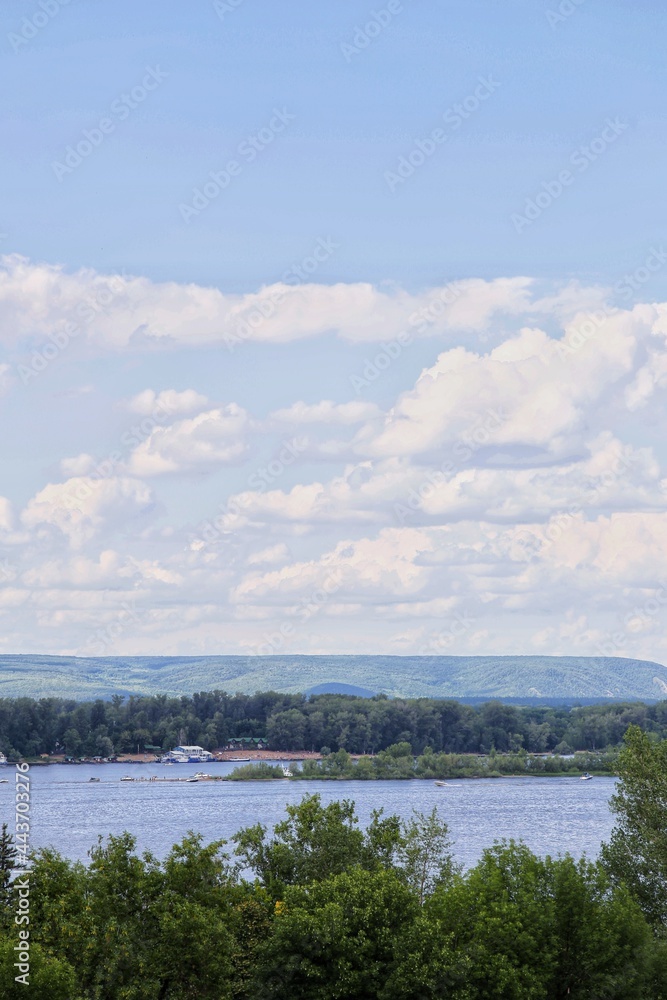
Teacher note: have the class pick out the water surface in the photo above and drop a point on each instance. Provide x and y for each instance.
(551, 815)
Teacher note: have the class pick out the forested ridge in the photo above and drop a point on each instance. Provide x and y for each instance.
(430, 676)
(29, 727)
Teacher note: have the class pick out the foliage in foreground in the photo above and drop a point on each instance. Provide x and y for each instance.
(637, 852)
(322, 909)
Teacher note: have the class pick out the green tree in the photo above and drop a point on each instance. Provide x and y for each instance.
(482, 936)
(49, 978)
(115, 928)
(383, 841)
(503, 912)
(8, 856)
(137, 929)
(72, 742)
(193, 921)
(103, 747)
(517, 927)
(58, 905)
(424, 853)
(637, 851)
(287, 730)
(314, 842)
(254, 911)
(604, 947)
(396, 761)
(338, 764)
(336, 938)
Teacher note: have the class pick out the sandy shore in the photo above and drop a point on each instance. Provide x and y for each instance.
(218, 755)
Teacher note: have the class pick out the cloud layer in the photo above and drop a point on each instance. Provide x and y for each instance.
(510, 498)
(120, 311)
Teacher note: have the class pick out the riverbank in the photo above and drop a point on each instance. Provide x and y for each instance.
(219, 757)
(186, 777)
(399, 763)
(406, 777)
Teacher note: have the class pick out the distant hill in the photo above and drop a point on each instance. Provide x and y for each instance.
(334, 688)
(539, 677)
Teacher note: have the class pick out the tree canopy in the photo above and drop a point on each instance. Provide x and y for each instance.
(322, 909)
(29, 727)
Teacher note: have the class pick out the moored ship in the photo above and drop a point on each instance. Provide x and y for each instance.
(187, 755)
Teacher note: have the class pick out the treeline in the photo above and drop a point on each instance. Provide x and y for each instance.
(397, 762)
(30, 727)
(322, 909)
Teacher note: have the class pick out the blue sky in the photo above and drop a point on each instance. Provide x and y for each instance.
(558, 84)
(548, 167)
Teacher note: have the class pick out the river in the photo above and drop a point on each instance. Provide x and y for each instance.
(551, 815)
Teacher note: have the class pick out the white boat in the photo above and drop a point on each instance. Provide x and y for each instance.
(241, 760)
(202, 774)
(187, 754)
(127, 777)
(287, 773)
(3, 759)
(586, 777)
(441, 784)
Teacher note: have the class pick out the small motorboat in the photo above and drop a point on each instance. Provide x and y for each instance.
(193, 778)
(586, 777)
(287, 773)
(127, 777)
(93, 779)
(202, 774)
(441, 784)
(4, 781)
